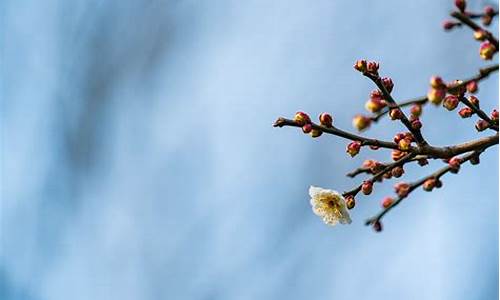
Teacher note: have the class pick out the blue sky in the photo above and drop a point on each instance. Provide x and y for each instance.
(139, 160)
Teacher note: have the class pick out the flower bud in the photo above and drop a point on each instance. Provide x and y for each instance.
(494, 116)
(465, 112)
(377, 94)
(416, 124)
(460, 4)
(448, 25)
(398, 137)
(474, 100)
(409, 136)
(416, 110)
(377, 226)
(429, 184)
(372, 67)
(350, 202)
(369, 163)
(361, 122)
(454, 164)
(316, 133)
(479, 35)
(402, 189)
(489, 10)
(388, 84)
(367, 187)
(387, 175)
(326, 119)
(435, 96)
(388, 201)
(301, 118)
(472, 87)
(307, 128)
(437, 82)
(486, 20)
(353, 148)
(475, 160)
(487, 50)
(397, 172)
(397, 154)
(373, 105)
(422, 162)
(395, 114)
(482, 125)
(360, 65)
(450, 102)
(404, 144)
(373, 147)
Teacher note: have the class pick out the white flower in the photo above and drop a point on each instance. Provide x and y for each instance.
(329, 205)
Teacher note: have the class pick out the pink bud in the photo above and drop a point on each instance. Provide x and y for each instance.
(397, 154)
(388, 201)
(460, 4)
(494, 115)
(416, 110)
(307, 128)
(437, 82)
(388, 84)
(474, 100)
(372, 67)
(472, 87)
(367, 187)
(454, 164)
(429, 184)
(402, 189)
(436, 95)
(465, 112)
(448, 25)
(482, 125)
(301, 118)
(416, 124)
(487, 50)
(353, 148)
(395, 114)
(489, 10)
(450, 102)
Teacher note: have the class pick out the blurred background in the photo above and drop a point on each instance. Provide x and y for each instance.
(138, 160)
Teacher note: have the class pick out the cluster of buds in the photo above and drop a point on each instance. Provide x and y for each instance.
(361, 122)
(487, 50)
(438, 90)
(303, 119)
(402, 189)
(404, 140)
(376, 102)
(367, 67)
(353, 148)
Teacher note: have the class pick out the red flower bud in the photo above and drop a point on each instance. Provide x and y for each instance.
(402, 189)
(388, 84)
(307, 128)
(460, 4)
(494, 116)
(397, 154)
(326, 119)
(416, 110)
(388, 201)
(472, 87)
(369, 163)
(465, 112)
(474, 100)
(367, 187)
(395, 114)
(429, 184)
(350, 202)
(436, 95)
(454, 164)
(376, 94)
(437, 82)
(397, 172)
(372, 67)
(377, 226)
(448, 25)
(416, 124)
(361, 122)
(487, 50)
(353, 148)
(482, 125)
(398, 137)
(301, 118)
(489, 10)
(360, 65)
(450, 102)
(316, 133)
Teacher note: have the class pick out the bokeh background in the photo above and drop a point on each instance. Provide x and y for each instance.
(138, 160)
